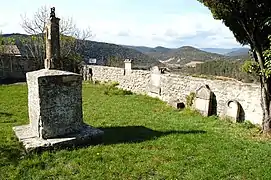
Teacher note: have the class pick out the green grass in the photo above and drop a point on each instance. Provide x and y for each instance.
(144, 139)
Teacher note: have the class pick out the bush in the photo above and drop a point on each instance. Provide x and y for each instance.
(248, 125)
(190, 99)
(111, 89)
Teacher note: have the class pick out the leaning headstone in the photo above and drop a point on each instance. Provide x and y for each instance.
(55, 109)
(203, 100)
(155, 84)
(232, 110)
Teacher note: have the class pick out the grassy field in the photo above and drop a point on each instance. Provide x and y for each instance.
(144, 139)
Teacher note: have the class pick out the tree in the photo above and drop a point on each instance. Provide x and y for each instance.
(72, 39)
(249, 20)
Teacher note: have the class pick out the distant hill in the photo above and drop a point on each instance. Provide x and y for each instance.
(182, 55)
(147, 50)
(100, 50)
(187, 54)
(145, 57)
(222, 51)
(104, 51)
(142, 49)
(239, 52)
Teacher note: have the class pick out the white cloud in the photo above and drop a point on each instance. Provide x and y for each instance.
(171, 30)
(202, 28)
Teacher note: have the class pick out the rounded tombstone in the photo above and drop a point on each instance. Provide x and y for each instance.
(203, 100)
(233, 110)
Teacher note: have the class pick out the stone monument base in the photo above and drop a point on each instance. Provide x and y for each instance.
(86, 136)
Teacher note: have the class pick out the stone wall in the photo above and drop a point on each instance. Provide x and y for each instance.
(176, 87)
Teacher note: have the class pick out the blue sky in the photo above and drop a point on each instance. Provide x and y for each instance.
(169, 23)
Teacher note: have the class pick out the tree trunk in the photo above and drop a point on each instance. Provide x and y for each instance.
(265, 100)
(265, 96)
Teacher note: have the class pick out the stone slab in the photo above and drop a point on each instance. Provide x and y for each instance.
(86, 136)
(54, 102)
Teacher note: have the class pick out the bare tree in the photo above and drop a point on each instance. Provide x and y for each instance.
(72, 39)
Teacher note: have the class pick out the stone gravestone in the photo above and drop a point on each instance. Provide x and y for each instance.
(55, 108)
(233, 110)
(155, 85)
(127, 66)
(203, 100)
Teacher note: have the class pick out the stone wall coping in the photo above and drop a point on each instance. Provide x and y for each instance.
(185, 77)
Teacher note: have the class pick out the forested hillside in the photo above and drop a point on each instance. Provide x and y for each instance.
(105, 53)
(231, 69)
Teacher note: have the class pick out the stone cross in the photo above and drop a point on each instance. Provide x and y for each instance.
(52, 60)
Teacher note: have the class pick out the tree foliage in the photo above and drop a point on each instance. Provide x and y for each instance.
(4, 42)
(225, 68)
(249, 20)
(267, 58)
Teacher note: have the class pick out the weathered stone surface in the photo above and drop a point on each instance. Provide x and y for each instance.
(54, 102)
(154, 86)
(204, 92)
(175, 86)
(55, 112)
(128, 64)
(85, 136)
(203, 100)
(232, 110)
(52, 42)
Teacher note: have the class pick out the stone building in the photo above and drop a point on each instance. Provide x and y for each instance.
(13, 66)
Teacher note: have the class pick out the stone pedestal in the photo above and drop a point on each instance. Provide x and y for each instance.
(55, 111)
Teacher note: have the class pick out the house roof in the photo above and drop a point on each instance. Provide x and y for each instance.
(9, 50)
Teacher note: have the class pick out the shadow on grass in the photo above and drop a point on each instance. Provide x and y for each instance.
(5, 114)
(112, 135)
(8, 81)
(132, 134)
(10, 155)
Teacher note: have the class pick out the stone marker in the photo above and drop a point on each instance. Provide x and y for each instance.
(127, 66)
(155, 85)
(52, 42)
(233, 110)
(55, 110)
(203, 100)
